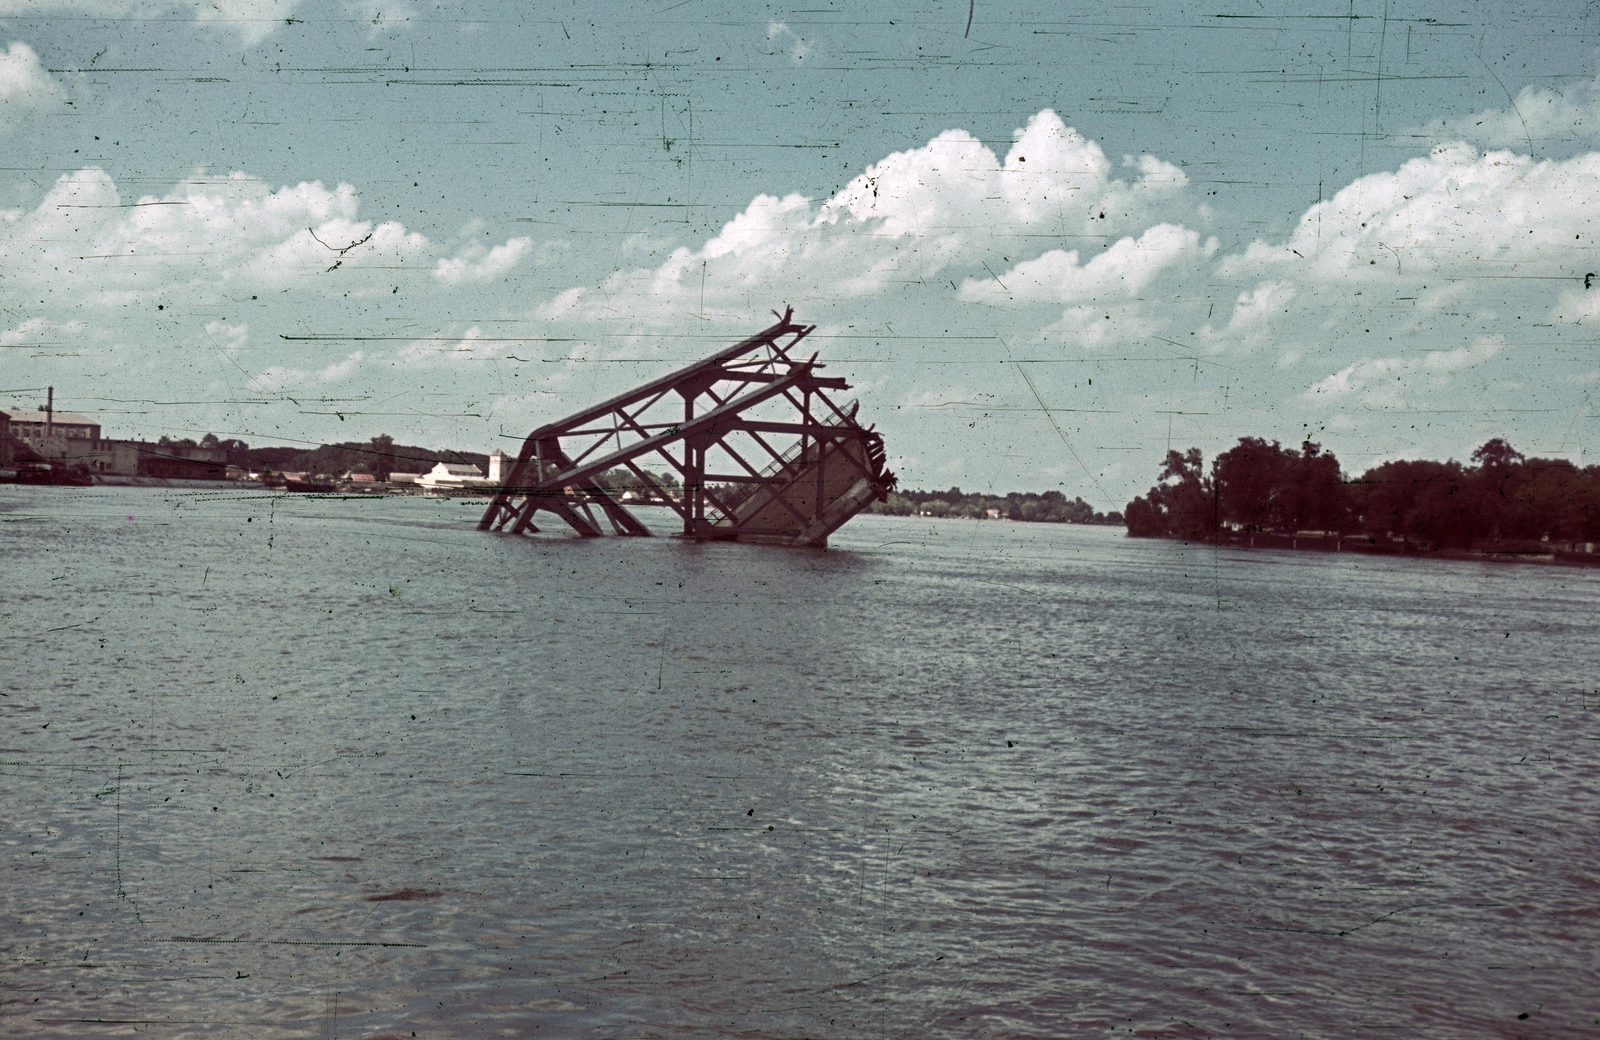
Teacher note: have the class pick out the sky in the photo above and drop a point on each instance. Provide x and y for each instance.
(1045, 242)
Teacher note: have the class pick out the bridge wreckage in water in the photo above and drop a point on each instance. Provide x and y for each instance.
(764, 455)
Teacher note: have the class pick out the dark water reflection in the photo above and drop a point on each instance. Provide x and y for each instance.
(288, 767)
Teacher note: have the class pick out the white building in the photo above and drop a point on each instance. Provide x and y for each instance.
(500, 466)
(453, 476)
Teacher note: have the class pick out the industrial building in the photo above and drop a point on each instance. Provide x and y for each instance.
(70, 440)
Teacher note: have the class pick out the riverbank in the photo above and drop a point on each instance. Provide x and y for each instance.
(1572, 554)
(113, 480)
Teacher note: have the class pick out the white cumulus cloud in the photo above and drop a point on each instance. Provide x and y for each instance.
(1261, 305)
(24, 83)
(925, 215)
(474, 263)
(228, 337)
(1107, 325)
(206, 232)
(1536, 116)
(1123, 270)
(1384, 382)
(1456, 211)
(340, 369)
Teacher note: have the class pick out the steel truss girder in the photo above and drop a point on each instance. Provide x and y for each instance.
(824, 468)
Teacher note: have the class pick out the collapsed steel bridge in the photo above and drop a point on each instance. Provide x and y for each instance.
(761, 452)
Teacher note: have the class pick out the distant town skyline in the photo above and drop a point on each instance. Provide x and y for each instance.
(1045, 248)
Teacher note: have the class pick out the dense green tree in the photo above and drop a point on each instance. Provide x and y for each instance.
(1503, 499)
(1253, 483)
(1413, 497)
(381, 463)
(1180, 505)
(1265, 487)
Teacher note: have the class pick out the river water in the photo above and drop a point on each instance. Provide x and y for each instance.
(279, 766)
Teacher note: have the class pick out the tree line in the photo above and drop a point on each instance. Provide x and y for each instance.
(1050, 507)
(1500, 497)
(379, 456)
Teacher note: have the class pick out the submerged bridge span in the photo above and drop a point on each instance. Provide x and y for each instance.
(759, 451)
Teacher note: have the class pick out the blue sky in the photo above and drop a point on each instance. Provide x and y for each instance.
(1045, 248)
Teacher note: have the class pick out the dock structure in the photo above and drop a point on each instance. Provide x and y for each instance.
(762, 453)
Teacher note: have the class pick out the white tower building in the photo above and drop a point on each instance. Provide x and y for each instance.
(499, 466)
